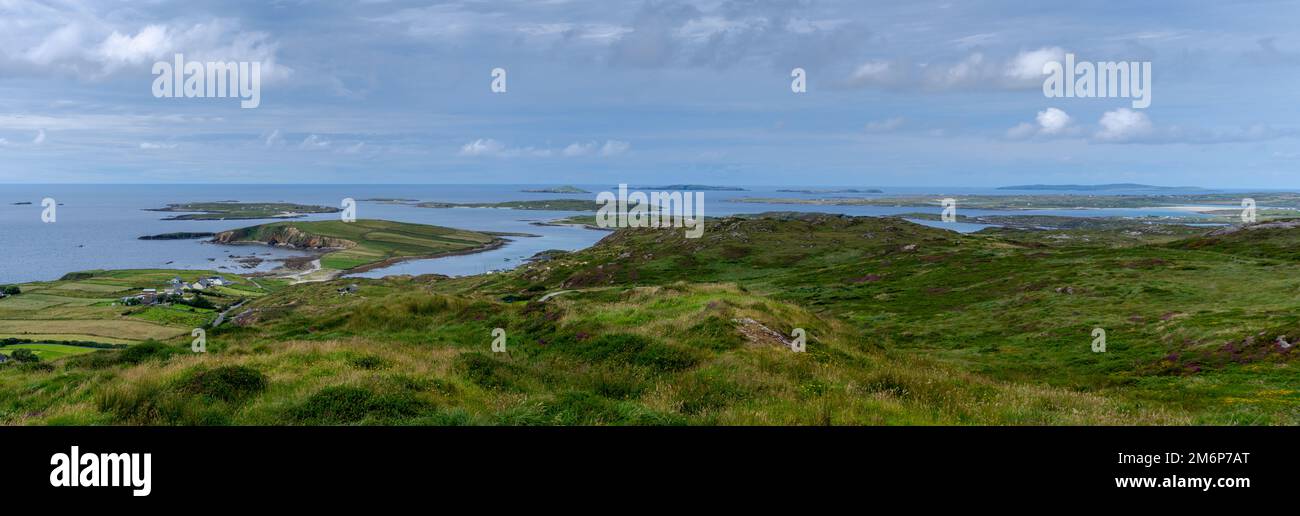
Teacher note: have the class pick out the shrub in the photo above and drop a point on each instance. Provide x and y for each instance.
(628, 349)
(24, 355)
(147, 350)
(343, 404)
(368, 362)
(486, 371)
(230, 384)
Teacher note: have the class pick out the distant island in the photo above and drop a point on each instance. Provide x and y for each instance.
(697, 188)
(566, 189)
(550, 204)
(177, 236)
(362, 245)
(842, 191)
(233, 210)
(1098, 188)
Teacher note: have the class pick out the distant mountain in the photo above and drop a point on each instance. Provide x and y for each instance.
(1098, 188)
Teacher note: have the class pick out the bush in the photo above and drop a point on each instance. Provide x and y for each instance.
(628, 349)
(343, 404)
(230, 384)
(11, 290)
(147, 350)
(368, 362)
(24, 355)
(488, 372)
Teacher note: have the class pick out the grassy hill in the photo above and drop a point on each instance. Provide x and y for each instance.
(905, 324)
(353, 245)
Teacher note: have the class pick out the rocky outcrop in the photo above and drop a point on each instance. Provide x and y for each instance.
(284, 236)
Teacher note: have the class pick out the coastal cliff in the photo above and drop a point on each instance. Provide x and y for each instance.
(282, 235)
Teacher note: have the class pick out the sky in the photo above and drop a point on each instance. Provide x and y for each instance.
(909, 93)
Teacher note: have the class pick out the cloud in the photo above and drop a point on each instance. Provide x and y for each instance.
(579, 149)
(482, 147)
(274, 139)
(1027, 66)
(885, 126)
(1049, 122)
(1053, 121)
(313, 142)
(1122, 125)
(40, 137)
(96, 46)
(876, 72)
(152, 42)
(490, 147)
(614, 148)
(156, 146)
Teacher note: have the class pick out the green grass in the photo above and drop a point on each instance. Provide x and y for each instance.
(905, 324)
(48, 351)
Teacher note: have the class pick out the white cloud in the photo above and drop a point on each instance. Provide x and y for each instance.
(40, 137)
(1048, 122)
(490, 147)
(152, 42)
(875, 72)
(1123, 124)
(156, 146)
(482, 147)
(614, 148)
(1053, 121)
(355, 148)
(579, 149)
(884, 126)
(314, 142)
(1027, 66)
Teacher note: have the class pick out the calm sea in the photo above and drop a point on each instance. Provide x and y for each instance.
(97, 225)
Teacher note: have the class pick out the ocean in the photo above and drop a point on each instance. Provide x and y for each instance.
(98, 226)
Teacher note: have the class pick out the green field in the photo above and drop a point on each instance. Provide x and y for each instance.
(87, 306)
(48, 351)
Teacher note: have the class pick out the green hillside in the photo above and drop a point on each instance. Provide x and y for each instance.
(904, 324)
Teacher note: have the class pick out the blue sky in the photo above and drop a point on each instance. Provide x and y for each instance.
(908, 93)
